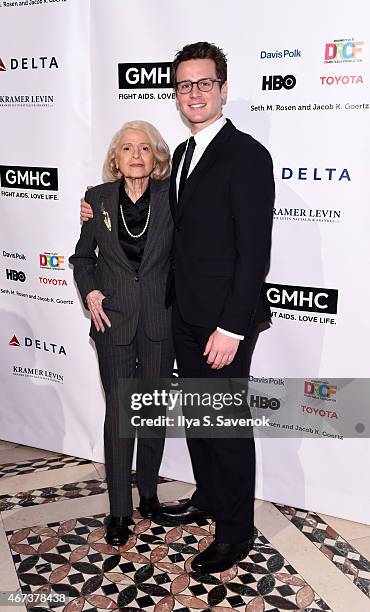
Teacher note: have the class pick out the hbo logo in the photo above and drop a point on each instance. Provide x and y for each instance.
(15, 276)
(259, 401)
(277, 81)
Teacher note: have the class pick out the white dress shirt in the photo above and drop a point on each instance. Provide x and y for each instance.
(202, 140)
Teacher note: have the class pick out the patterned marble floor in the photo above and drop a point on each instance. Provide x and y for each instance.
(52, 547)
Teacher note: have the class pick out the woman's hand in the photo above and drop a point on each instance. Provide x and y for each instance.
(94, 301)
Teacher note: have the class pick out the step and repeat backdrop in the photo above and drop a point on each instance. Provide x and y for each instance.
(71, 73)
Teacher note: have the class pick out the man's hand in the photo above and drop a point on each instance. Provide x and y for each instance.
(94, 301)
(86, 212)
(221, 350)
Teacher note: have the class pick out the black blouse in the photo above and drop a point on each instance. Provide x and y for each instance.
(135, 216)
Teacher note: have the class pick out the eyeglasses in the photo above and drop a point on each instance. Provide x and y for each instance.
(185, 87)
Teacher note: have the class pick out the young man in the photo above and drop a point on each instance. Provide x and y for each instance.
(221, 196)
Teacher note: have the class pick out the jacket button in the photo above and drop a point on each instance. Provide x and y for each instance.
(136, 278)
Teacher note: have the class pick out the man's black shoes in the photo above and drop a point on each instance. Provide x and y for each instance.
(219, 557)
(117, 530)
(149, 507)
(181, 514)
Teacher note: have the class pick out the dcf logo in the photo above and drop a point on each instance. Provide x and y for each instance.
(276, 82)
(343, 51)
(51, 261)
(319, 390)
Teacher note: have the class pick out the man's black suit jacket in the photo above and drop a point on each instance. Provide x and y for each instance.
(223, 234)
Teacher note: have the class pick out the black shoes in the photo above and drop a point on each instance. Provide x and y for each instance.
(182, 513)
(149, 508)
(117, 530)
(219, 557)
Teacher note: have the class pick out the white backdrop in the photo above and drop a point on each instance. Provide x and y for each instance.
(65, 59)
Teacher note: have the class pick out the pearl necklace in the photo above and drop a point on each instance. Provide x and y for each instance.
(126, 228)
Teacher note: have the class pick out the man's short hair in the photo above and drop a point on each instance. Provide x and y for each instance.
(201, 50)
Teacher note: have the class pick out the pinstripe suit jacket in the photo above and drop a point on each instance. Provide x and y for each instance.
(128, 294)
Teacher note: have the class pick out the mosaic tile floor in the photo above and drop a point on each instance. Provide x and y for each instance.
(69, 556)
(71, 490)
(40, 465)
(346, 558)
(152, 569)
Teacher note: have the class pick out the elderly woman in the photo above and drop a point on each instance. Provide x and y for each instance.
(124, 289)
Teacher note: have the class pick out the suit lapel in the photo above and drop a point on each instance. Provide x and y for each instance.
(173, 184)
(110, 204)
(157, 189)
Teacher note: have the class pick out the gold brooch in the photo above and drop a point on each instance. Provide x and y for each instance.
(106, 218)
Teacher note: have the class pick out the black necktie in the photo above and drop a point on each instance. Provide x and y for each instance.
(186, 166)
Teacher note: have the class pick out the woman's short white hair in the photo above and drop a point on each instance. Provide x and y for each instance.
(159, 146)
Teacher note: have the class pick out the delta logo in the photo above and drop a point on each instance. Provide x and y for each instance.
(30, 63)
(343, 50)
(42, 345)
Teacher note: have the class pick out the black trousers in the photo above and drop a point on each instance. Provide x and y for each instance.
(143, 358)
(224, 468)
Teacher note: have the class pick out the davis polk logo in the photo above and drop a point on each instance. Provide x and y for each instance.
(307, 299)
(144, 76)
(276, 82)
(14, 255)
(285, 53)
(29, 177)
(30, 63)
(41, 345)
(15, 276)
(343, 50)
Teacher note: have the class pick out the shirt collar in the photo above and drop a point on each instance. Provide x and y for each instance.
(204, 137)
